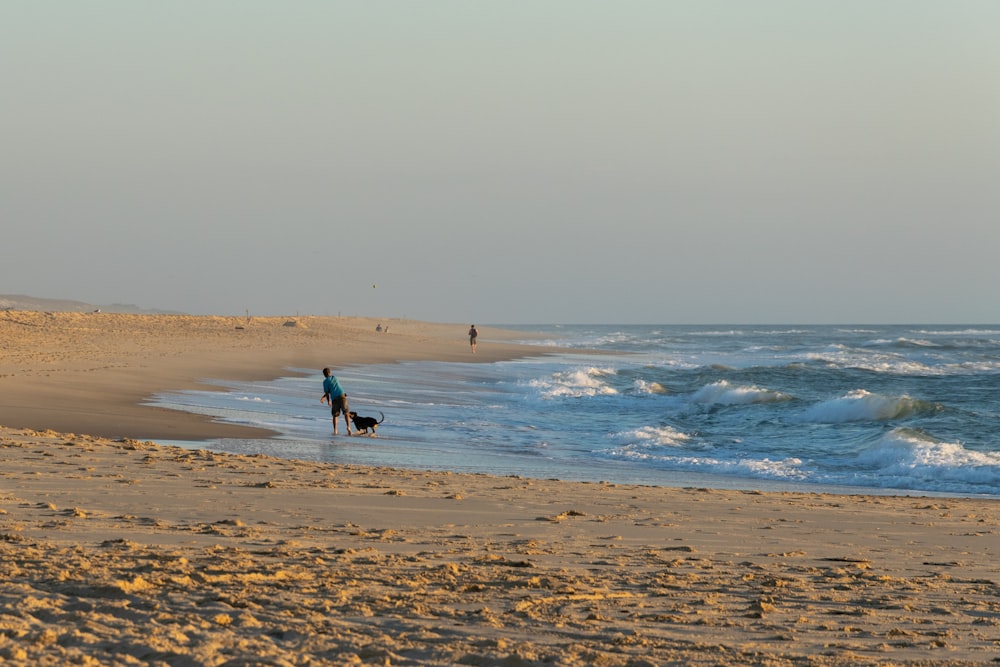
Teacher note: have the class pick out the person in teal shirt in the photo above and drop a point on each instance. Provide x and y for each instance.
(334, 393)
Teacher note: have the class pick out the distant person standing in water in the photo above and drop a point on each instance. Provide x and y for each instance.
(472, 337)
(333, 393)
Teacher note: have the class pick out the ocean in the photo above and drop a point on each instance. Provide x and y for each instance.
(842, 409)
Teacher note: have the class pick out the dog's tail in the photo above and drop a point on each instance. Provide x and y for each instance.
(383, 416)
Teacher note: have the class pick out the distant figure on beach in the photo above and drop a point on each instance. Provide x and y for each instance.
(334, 393)
(379, 328)
(473, 334)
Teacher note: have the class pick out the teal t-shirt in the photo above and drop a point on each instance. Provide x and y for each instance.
(332, 387)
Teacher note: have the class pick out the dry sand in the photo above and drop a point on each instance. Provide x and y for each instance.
(120, 551)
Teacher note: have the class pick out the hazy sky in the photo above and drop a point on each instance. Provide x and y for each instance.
(506, 162)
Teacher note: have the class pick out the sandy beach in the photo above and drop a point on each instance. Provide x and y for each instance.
(89, 372)
(117, 550)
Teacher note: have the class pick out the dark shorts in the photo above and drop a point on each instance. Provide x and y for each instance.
(338, 405)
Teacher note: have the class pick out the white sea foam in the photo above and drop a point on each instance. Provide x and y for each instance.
(788, 469)
(781, 332)
(720, 332)
(665, 436)
(911, 456)
(576, 383)
(783, 469)
(839, 356)
(959, 332)
(901, 342)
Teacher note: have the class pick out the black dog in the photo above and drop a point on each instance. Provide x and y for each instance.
(362, 424)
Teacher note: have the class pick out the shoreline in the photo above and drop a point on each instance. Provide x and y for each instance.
(118, 550)
(95, 373)
(91, 372)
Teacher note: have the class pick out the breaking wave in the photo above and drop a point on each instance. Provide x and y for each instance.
(860, 405)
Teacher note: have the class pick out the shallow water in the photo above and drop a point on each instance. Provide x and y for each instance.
(843, 408)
